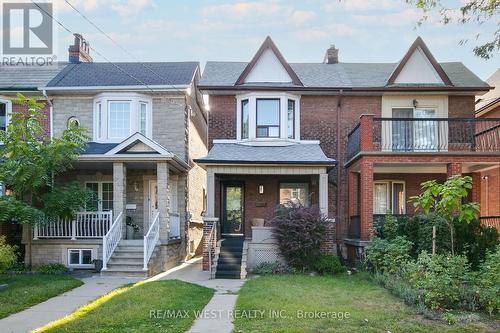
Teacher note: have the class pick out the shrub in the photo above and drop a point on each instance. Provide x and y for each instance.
(52, 269)
(442, 278)
(300, 232)
(8, 254)
(387, 255)
(327, 264)
(397, 286)
(489, 282)
(269, 268)
(475, 240)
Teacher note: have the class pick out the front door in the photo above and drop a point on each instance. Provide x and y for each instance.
(232, 209)
(153, 203)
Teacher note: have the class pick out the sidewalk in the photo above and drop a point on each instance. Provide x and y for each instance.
(62, 305)
(222, 302)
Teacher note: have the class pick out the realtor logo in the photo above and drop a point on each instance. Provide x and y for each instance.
(27, 28)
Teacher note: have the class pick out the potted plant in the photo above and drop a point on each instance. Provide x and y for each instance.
(131, 227)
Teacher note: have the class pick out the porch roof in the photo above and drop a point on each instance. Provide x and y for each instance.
(296, 154)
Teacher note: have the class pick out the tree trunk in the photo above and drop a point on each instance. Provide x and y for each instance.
(433, 240)
(451, 238)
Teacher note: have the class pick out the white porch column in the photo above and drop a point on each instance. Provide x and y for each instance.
(163, 200)
(210, 193)
(120, 192)
(323, 193)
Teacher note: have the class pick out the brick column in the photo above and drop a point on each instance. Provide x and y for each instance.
(353, 190)
(366, 132)
(120, 192)
(163, 200)
(453, 169)
(366, 209)
(476, 187)
(208, 224)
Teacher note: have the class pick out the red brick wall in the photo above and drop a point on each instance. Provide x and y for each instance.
(270, 197)
(45, 112)
(222, 118)
(490, 192)
(461, 107)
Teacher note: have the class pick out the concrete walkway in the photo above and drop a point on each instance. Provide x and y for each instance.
(62, 305)
(220, 307)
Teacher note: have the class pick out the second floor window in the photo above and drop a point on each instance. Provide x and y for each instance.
(3, 116)
(118, 116)
(268, 118)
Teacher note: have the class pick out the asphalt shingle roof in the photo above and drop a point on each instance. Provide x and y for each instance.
(286, 154)
(27, 77)
(340, 75)
(96, 74)
(95, 148)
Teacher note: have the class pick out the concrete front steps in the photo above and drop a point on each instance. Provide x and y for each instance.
(127, 260)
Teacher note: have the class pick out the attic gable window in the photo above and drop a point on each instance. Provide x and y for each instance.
(118, 116)
(268, 116)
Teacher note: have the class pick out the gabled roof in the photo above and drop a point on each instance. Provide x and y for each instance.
(268, 45)
(125, 74)
(219, 75)
(491, 99)
(138, 144)
(22, 78)
(296, 154)
(419, 44)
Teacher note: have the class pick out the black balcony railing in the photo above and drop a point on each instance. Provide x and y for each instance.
(428, 135)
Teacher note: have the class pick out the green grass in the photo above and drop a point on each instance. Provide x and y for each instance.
(27, 290)
(129, 309)
(371, 308)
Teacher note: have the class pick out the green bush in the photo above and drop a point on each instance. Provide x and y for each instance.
(270, 268)
(397, 286)
(442, 279)
(388, 255)
(488, 281)
(8, 254)
(52, 269)
(327, 264)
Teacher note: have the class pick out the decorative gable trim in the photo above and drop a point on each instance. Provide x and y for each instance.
(268, 44)
(419, 43)
(137, 144)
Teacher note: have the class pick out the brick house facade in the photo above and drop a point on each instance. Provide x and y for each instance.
(352, 120)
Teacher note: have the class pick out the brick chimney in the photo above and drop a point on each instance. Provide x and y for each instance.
(79, 51)
(332, 55)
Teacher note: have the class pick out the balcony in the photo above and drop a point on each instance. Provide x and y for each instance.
(421, 135)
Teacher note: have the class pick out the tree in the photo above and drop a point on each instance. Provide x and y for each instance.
(31, 161)
(478, 11)
(445, 200)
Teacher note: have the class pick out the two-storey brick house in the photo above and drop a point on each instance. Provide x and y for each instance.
(146, 127)
(355, 139)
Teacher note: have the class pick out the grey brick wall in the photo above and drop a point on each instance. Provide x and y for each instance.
(64, 108)
(169, 124)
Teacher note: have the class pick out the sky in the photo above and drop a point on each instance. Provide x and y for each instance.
(189, 30)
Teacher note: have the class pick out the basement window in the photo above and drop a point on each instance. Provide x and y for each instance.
(80, 257)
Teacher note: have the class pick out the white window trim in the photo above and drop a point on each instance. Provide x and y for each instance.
(99, 191)
(8, 111)
(252, 117)
(390, 186)
(102, 130)
(92, 257)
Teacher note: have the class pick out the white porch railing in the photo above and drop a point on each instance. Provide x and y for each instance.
(151, 239)
(111, 240)
(84, 225)
(175, 225)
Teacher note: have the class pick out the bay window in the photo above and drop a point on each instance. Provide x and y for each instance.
(268, 116)
(118, 116)
(3, 116)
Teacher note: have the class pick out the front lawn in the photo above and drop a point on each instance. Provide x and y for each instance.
(142, 307)
(27, 290)
(288, 302)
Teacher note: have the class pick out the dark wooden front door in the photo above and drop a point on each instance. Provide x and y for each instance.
(233, 215)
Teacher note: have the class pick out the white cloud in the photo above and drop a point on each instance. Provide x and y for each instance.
(402, 18)
(130, 7)
(123, 8)
(262, 12)
(361, 5)
(325, 32)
